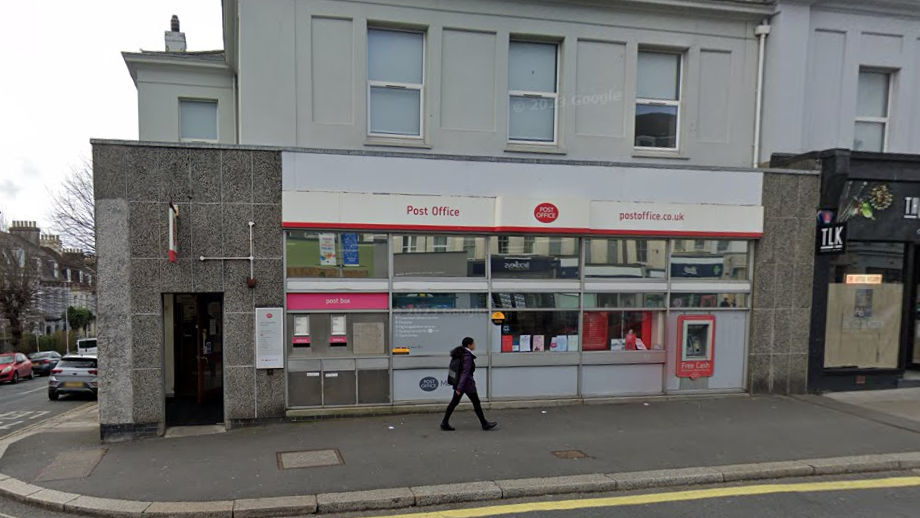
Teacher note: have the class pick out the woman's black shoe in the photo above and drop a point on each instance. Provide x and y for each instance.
(489, 425)
(447, 428)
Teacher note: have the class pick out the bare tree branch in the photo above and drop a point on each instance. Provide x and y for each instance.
(20, 284)
(73, 209)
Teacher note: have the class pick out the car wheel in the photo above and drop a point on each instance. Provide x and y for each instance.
(15, 377)
(31, 375)
(53, 396)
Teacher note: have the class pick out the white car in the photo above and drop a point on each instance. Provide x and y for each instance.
(74, 374)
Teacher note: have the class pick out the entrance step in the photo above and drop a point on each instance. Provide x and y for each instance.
(194, 431)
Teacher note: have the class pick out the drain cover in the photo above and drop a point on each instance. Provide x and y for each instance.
(570, 454)
(72, 464)
(309, 459)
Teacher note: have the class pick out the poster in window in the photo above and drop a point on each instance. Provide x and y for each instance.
(596, 329)
(525, 343)
(519, 300)
(863, 307)
(507, 343)
(327, 250)
(538, 341)
(350, 249)
(368, 338)
(505, 300)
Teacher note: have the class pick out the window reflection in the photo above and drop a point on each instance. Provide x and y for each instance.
(710, 259)
(625, 258)
(439, 256)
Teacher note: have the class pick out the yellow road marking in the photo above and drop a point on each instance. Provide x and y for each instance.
(677, 496)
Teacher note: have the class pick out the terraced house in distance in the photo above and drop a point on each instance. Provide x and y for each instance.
(315, 215)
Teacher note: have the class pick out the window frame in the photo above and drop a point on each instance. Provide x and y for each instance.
(437, 245)
(395, 85)
(216, 104)
(884, 121)
(681, 64)
(529, 94)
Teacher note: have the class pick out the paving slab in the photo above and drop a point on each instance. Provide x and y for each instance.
(51, 499)
(456, 493)
(765, 470)
(221, 509)
(365, 500)
(666, 478)
(854, 464)
(274, 507)
(556, 485)
(106, 507)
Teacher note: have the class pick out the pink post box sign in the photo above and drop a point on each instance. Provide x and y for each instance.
(302, 340)
(337, 301)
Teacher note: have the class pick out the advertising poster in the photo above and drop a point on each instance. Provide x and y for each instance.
(350, 249)
(596, 325)
(327, 250)
(863, 303)
(269, 338)
(437, 333)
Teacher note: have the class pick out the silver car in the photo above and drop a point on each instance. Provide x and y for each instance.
(74, 374)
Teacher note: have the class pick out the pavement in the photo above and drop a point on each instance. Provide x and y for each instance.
(403, 461)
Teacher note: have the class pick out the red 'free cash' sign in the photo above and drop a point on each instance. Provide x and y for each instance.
(546, 213)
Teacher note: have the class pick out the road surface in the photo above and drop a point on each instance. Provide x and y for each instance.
(27, 403)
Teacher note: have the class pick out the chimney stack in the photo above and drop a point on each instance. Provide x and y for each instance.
(175, 40)
(53, 242)
(27, 230)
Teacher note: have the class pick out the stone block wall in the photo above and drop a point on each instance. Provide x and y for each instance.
(783, 279)
(218, 192)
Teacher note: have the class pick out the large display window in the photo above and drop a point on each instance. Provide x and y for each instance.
(626, 258)
(865, 307)
(416, 255)
(534, 257)
(540, 332)
(310, 254)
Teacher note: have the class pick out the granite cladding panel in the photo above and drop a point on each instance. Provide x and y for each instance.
(236, 176)
(266, 177)
(239, 339)
(239, 393)
(148, 395)
(204, 166)
(270, 393)
(782, 287)
(144, 182)
(108, 169)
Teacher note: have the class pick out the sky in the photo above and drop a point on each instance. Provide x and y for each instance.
(63, 81)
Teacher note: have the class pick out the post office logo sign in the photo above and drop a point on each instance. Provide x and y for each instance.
(429, 384)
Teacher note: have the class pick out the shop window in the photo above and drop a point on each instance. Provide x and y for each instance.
(865, 302)
(535, 300)
(539, 332)
(436, 333)
(872, 111)
(197, 121)
(624, 300)
(426, 301)
(709, 300)
(625, 258)
(336, 254)
(396, 84)
(533, 87)
(658, 99)
(722, 260)
(622, 330)
(439, 256)
(552, 257)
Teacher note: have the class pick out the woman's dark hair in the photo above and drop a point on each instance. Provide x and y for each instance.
(467, 341)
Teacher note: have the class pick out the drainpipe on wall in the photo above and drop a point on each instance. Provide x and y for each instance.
(761, 32)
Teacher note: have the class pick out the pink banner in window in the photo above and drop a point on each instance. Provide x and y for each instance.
(336, 301)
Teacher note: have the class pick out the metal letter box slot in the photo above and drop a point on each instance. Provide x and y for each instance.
(305, 388)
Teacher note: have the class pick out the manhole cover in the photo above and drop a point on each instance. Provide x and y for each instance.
(570, 454)
(72, 464)
(309, 459)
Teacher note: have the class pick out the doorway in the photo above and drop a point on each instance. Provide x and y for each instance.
(194, 359)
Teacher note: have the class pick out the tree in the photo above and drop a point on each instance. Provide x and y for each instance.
(20, 282)
(79, 318)
(73, 209)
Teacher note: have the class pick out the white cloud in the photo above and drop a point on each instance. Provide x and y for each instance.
(65, 82)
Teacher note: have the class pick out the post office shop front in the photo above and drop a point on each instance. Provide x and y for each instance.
(373, 312)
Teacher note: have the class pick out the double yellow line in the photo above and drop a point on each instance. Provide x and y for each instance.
(678, 496)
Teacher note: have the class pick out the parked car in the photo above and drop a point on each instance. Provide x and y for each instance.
(14, 367)
(87, 346)
(74, 374)
(43, 362)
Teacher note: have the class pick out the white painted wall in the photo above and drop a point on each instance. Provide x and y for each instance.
(302, 67)
(159, 88)
(814, 55)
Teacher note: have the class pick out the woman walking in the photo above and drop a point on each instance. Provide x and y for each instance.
(466, 385)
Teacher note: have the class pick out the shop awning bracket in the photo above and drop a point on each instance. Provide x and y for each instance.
(251, 257)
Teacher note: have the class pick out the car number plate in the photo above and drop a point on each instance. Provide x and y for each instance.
(73, 384)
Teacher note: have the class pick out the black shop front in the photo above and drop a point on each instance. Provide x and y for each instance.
(864, 331)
